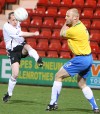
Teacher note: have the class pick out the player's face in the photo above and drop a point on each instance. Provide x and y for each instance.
(69, 18)
(13, 20)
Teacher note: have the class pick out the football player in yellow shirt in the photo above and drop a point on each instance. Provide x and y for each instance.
(78, 40)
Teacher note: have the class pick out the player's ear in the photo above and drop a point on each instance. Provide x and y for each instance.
(74, 18)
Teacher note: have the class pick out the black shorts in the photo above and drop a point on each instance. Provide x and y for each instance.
(16, 54)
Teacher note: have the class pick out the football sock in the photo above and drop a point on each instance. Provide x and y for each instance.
(33, 53)
(89, 95)
(11, 85)
(55, 92)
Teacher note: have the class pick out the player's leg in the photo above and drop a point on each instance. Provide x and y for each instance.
(12, 81)
(32, 53)
(57, 86)
(68, 69)
(87, 93)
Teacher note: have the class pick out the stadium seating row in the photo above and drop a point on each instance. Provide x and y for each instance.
(4, 2)
(53, 45)
(54, 54)
(61, 11)
(49, 22)
(70, 3)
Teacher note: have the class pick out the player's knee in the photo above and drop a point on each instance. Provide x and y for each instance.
(58, 77)
(15, 75)
(27, 47)
(12, 78)
(82, 85)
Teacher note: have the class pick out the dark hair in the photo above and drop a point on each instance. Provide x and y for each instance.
(9, 15)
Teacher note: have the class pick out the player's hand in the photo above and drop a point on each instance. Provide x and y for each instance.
(36, 33)
(40, 62)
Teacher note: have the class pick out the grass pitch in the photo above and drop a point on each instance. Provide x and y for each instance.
(34, 100)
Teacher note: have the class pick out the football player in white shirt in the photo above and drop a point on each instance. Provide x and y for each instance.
(17, 48)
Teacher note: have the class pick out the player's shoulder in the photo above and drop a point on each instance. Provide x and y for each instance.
(6, 25)
(82, 24)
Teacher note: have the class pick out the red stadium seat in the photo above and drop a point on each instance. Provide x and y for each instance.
(86, 22)
(48, 22)
(97, 13)
(54, 2)
(45, 33)
(87, 13)
(1, 33)
(25, 23)
(56, 34)
(65, 55)
(67, 3)
(78, 3)
(1, 39)
(42, 44)
(2, 45)
(41, 53)
(94, 56)
(36, 22)
(24, 29)
(95, 35)
(52, 54)
(11, 1)
(99, 56)
(59, 22)
(65, 47)
(79, 10)
(42, 2)
(3, 52)
(2, 2)
(98, 4)
(51, 11)
(30, 39)
(62, 11)
(0, 8)
(55, 46)
(30, 11)
(40, 10)
(64, 40)
(94, 47)
(55, 41)
(95, 24)
(32, 43)
(33, 29)
(90, 3)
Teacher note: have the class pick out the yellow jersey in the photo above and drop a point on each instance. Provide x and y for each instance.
(78, 39)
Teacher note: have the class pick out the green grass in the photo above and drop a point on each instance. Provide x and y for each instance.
(34, 100)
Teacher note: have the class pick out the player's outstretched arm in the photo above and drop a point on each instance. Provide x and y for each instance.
(29, 34)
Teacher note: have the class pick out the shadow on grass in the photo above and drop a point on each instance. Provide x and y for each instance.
(76, 110)
(24, 102)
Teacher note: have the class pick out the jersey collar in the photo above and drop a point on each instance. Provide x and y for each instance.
(77, 23)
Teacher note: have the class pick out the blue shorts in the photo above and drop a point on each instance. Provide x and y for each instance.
(79, 65)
